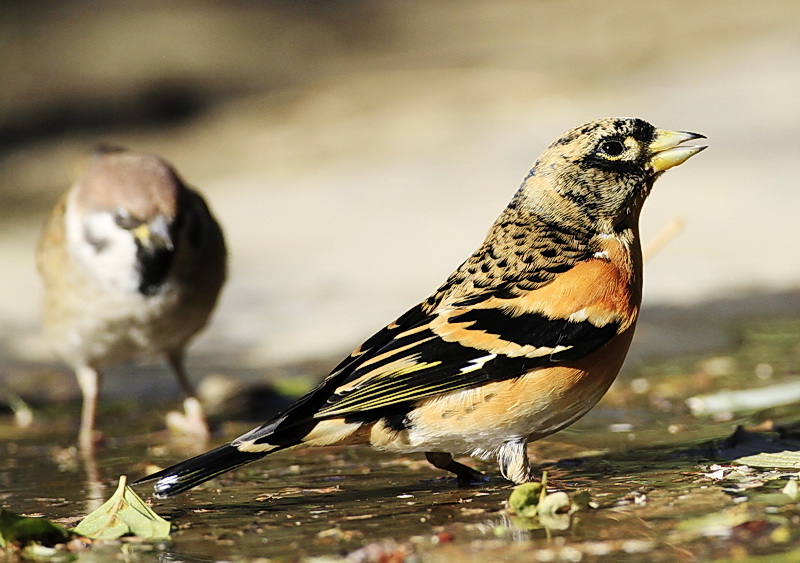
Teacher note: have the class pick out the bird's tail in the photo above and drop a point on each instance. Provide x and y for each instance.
(190, 473)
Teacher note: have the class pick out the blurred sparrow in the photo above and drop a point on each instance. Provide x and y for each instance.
(520, 341)
(132, 262)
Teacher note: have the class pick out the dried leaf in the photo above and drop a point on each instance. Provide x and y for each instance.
(785, 459)
(792, 490)
(125, 513)
(554, 511)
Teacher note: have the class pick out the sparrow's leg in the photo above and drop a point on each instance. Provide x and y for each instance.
(175, 360)
(193, 421)
(513, 461)
(466, 475)
(89, 382)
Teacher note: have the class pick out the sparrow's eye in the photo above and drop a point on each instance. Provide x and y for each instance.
(125, 220)
(612, 147)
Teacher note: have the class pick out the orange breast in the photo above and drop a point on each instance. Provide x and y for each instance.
(605, 288)
(537, 404)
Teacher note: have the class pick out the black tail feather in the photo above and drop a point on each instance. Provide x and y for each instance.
(190, 473)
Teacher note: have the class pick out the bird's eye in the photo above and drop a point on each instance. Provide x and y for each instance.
(125, 220)
(612, 147)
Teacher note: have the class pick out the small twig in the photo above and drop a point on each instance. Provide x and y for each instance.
(543, 492)
(669, 232)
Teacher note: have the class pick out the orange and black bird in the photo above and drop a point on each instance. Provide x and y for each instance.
(519, 342)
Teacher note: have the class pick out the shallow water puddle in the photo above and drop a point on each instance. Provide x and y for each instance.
(664, 484)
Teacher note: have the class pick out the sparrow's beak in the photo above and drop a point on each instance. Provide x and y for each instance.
(666, 149)
(154, 235)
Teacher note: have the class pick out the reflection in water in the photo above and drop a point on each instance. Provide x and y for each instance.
(93, 486)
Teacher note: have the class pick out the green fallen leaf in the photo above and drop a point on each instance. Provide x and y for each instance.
(125, 513)
(532, 508)
(21, 531)
(525, 498)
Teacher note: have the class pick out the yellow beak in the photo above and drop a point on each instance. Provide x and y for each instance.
(667, 151)
(154, 235)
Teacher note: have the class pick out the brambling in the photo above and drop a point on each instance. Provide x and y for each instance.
(520, 341)
(132, 262)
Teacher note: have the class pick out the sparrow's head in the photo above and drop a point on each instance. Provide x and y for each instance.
(602, 171)
(128, 210)
(140, 191)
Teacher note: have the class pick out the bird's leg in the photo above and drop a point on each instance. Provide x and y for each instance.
(193, 421)
(175, 361)
(513, 461)
(89, 380)
(465, 475)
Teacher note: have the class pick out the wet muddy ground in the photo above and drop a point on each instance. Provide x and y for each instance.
(355, 153)
(661, 472)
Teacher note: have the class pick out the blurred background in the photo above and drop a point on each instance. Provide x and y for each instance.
(356, 152)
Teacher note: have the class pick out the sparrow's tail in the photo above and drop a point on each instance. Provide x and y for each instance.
(190, 473)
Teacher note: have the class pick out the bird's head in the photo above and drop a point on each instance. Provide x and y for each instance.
(129, 208)
(602, 171)
(139, 191)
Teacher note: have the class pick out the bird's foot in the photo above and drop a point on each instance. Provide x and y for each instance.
(191, 423)
(465, 475)
(471, 478)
